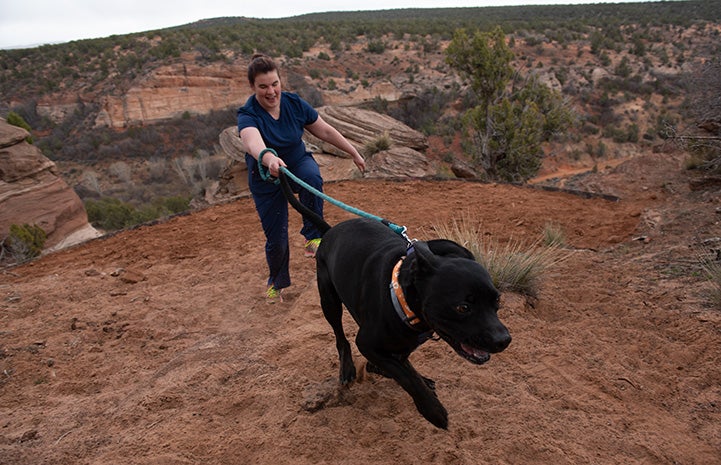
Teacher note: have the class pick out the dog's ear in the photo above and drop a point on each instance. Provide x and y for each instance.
(425, 261)
(449, 248)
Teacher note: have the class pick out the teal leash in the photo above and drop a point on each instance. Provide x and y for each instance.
(265, 175)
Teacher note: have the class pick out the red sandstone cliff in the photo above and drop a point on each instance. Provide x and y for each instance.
(31, 192)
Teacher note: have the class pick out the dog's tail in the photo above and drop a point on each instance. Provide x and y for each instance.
(302, 209)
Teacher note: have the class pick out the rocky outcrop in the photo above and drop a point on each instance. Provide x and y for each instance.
(363, 126)
(31, 192)
(170, 91)
(398, 162)
(402, 158)
(463, 170)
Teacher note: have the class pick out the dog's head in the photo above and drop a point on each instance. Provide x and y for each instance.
(457, 299)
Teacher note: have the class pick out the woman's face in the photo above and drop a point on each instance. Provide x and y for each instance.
(267, 90)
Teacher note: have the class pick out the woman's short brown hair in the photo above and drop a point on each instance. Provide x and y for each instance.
(260, 64)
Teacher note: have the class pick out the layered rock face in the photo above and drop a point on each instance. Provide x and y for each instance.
(31, 192)
(403, 158)
(170, 91)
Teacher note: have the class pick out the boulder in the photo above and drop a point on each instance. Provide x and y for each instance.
(463, 170)
(31, 192)
(363, 126)
(232, 144)
(233, 180)
(398, 162)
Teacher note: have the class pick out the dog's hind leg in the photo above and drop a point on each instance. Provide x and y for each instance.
(347, 368)
(371, 368)
(333, 311)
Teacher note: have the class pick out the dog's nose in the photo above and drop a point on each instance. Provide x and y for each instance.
(501, 340)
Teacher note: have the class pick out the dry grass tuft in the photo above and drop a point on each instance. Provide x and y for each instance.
(379, 144)
(514, 266)
(711, 266)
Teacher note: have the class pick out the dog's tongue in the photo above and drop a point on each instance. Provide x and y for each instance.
(475, 353)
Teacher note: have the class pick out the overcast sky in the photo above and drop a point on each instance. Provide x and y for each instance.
(37, 22)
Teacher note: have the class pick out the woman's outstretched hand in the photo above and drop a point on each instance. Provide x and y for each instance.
(359, 162)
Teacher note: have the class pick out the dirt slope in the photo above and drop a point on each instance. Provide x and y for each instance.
(155, 346)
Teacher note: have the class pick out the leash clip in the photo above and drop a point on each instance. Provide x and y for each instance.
(411, 242)
(403, 231)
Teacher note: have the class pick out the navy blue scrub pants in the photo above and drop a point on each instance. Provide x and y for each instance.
(272, 208)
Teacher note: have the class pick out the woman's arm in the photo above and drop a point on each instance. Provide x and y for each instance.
(254, 144)
(328, 133)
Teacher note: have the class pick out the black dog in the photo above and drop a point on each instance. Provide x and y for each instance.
(399, 296)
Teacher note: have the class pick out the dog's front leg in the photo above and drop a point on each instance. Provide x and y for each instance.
(401, 370)
(374, 369)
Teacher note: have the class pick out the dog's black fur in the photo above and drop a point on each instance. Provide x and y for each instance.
(447, 289)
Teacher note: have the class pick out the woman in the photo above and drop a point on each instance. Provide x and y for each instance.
(273, 119)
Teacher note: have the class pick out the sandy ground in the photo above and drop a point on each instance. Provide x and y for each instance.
(156, 346)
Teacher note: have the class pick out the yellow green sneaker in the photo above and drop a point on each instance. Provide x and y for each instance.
(273, 295)
(311, 247)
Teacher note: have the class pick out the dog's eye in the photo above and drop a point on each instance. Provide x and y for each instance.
(463, 308)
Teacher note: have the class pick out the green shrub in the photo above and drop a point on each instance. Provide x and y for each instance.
(24, 242)
(376, 46)
(109, 214)
(17, 120)
(177, 204)
(112, 214)
(623, 69)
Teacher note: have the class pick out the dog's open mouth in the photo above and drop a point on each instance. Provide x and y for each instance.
(470, 353)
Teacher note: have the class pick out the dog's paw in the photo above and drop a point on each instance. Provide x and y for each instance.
(347, 374)
(437, 415)
(430, 383)
(432, 409)
(347, 367)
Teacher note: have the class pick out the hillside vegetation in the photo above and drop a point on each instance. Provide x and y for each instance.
(94, 63)
(624, 67)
